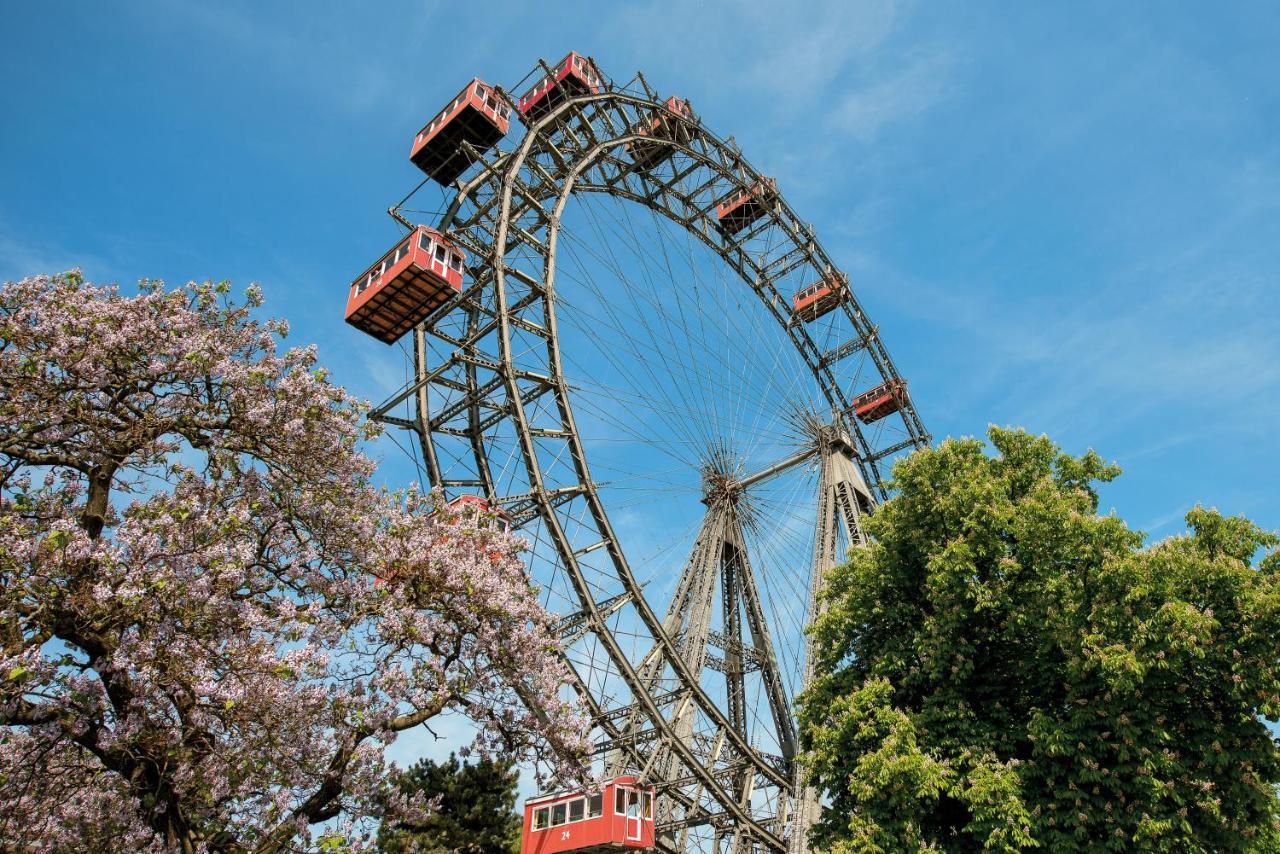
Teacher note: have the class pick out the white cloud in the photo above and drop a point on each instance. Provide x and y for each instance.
(385, 368)
(20, 258)
(1166, 519)
(898, 96)
(323, 57)
(782, 54)
(798, 53)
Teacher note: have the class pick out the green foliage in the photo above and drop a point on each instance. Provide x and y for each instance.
(1002, 668)
(475, 812)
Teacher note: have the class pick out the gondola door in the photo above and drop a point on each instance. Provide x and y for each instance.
(634, 815)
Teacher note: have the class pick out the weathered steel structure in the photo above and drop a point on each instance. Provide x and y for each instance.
(487, 365)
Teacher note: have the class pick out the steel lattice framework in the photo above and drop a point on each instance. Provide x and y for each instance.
(489, 363)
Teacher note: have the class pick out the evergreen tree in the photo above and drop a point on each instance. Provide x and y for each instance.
(1002, 668)
(474, 814)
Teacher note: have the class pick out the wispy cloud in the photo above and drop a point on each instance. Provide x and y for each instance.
(386, 369)
(898, 95)
(799, 55)
(836, 73)
(20, 257)
(782, 58)
(1164, 520)
(1154, 448)
(317, 55)
(1186, 340)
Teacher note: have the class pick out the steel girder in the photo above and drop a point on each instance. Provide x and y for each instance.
(503, 360)
(842, 497)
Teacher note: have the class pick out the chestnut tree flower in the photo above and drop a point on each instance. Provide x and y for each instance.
(1004, 668)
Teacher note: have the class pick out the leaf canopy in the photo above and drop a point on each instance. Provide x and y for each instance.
(1001, 667)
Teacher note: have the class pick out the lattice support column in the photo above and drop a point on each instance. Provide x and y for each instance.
(489, 395)
(842, 497)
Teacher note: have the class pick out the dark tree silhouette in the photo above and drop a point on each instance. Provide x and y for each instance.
(475, 813)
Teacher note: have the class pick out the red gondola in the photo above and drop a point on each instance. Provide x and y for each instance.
(742, 207)
(619, 817)
(662, 124)
(477, 116)
(481, 506)
(462, 504)
(408, 283)
(573, 75)
(880, 401)
(819, 298)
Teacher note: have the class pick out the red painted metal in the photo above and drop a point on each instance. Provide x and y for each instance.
(477, 116)
(458, 505)
(746, 205)
(662, 124)
(482, 505)
(819, 298)
(880, 401)
(420, 273)
(619, 817)
(573, 75)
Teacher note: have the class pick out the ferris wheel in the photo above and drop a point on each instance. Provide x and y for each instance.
(626, 343)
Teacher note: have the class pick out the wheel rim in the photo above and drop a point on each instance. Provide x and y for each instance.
(495, 414)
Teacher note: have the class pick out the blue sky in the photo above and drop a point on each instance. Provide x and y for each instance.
(1064, 217)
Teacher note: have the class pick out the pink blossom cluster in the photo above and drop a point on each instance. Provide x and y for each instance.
(211, 622)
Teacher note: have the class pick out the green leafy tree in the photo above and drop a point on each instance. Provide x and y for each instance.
(473, 809)
(1002, 668)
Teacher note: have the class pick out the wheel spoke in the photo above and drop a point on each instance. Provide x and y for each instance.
(614, 369)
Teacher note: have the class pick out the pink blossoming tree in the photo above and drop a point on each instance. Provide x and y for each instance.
(212, 623)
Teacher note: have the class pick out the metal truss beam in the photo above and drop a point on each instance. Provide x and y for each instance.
(507, 215)
(842, 496)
